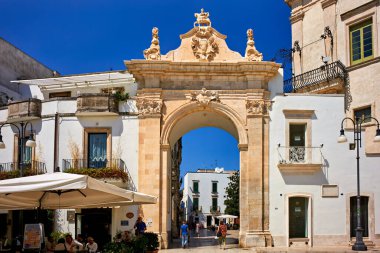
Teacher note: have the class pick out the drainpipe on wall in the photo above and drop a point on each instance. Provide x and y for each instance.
(56, 141)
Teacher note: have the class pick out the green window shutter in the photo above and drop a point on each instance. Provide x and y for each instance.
(361, 42)
(195, 203)
(196, 186)
(214, 187)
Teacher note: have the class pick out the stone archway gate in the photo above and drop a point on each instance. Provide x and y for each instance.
(204, 83)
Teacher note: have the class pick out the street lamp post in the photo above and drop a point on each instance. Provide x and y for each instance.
(359, 244)
(21, 133)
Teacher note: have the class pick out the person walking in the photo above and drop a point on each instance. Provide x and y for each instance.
(197, 227)
(184, 233)
(221, 233)
(140, 226)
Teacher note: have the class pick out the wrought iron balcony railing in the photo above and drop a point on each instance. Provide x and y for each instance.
(197, 209)
(299, 155)
(319, 75)
(214, 209)
(113, 168)
(29, 168)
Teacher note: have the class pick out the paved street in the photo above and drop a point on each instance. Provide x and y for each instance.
(207, 243)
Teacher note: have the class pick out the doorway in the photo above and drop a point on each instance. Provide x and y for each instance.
(96, 222)
(298, 217)
(364, 215)
(209, 221)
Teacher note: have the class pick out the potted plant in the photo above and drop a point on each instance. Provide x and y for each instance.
(118, 247)
(152, 242)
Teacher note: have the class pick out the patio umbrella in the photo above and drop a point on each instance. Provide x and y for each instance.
(226, 216)
(65, 191)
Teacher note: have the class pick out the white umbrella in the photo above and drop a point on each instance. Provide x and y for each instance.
(65, 191)
(226, 216)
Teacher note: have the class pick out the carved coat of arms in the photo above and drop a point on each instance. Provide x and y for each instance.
(204, 97)
(203, 43)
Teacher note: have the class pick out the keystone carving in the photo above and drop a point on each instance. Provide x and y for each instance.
(204, 97)
(153, 52)
(203, 43)
(258, 106)
(148, 106)
(251, 52)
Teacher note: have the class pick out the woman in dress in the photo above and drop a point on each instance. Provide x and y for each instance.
(221, 233)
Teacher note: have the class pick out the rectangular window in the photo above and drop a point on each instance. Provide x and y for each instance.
(297, 135)
(195, 186)
(214, 187)
(214, 204)
(195, 204)
(361, 42)
(363, 114)
(297, 143)
(63, 94)
(97, 150)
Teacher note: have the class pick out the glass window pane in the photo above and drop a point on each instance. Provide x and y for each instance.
(361, 41)
(196, 186)
(215, 187)
(363, 114)
(214, 203)
(195, 203)
(97, 150)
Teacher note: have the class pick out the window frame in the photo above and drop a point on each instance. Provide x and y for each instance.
(355, 110)
(61, 94)
(212, 187)
(195, 207)
(360, 27)
(212, 203)
(88, 131)
(197, 182)
(16, 149)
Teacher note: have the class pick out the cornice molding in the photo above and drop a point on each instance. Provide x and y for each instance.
(299, 114)
(327, 3)
(359, 9)
(297, 17)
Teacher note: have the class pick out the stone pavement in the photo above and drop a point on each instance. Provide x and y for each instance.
(208, 244)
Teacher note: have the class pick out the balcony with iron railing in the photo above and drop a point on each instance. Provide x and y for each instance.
(215, 209)
(300, 159)
(197, 209)
(319, 80)
(113, 171)
(14, 170)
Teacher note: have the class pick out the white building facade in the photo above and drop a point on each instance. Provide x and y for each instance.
(313, 183)
(204, 192)
(78, 125)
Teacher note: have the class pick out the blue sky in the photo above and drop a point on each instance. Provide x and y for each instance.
(81, 36)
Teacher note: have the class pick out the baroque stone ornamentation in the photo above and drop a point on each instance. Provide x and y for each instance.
(202, 19)
(258, 106)
(204, 97)
(203, 43)
(251, 52)
(153, 52)
(148, 106)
